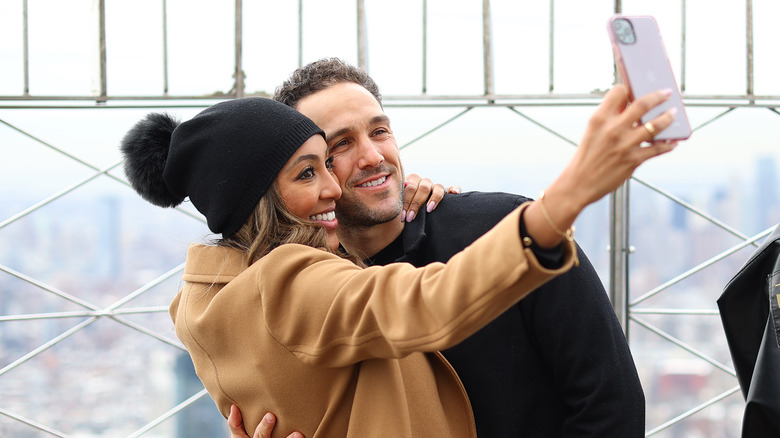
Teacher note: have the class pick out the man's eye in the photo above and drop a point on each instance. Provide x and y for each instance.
(338, 145)
(382, 132)
(329, 162)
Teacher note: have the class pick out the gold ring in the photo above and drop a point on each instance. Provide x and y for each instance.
(650, 128)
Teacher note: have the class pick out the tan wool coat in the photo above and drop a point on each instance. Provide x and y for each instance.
(339, 351)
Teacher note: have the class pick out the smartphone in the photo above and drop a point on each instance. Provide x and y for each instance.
(644, 67)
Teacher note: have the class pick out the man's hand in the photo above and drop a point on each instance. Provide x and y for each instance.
(263, 430)
(420, 191)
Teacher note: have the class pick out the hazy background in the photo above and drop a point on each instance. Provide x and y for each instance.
(99, 242)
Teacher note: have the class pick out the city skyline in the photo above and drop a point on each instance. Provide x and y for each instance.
(99, 242)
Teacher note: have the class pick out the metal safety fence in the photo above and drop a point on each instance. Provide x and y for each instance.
(54, 317)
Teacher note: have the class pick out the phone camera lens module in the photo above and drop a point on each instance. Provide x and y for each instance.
(624, 31)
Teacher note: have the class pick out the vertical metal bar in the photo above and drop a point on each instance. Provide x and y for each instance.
(25, 48)
(165, 45)
(300, 33)
(552, 46)
(425, 47)
(487, 48)
(618, 253)
(750, 91)
(239, 74)
(619, 242)
(362, 38)
(683, 43)
(102, 36)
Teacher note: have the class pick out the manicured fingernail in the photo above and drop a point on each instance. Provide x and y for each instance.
(457, 189)
(406, 184)
(268, 418)
(403, 215)
(667, 91)
(673, 111)
(410, 216)
(430, 206)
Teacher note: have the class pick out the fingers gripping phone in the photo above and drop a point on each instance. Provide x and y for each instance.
(644, 67)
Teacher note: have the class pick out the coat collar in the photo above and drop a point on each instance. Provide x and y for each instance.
(213, 264)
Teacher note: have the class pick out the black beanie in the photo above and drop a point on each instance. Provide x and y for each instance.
(224, 159)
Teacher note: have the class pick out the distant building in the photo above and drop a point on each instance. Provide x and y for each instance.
(202, 419)
(766, 196)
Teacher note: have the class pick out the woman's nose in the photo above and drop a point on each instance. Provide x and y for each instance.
(331, 189)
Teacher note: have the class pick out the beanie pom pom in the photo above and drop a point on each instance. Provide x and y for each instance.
(145, 148)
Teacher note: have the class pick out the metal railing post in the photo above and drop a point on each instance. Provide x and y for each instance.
(239, 74)
(424, 46)
(300, 33)
(362, 35)
(103, 92)
(487, 48)
(749, 37)
(551, 61)
(683, 37)
(618, 253)
(165, 45)
(26, 48)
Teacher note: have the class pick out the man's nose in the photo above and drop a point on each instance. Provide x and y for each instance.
(369, 154)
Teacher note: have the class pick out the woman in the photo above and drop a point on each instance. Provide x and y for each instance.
(275, 318)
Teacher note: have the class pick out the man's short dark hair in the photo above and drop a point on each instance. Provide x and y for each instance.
(320, 75)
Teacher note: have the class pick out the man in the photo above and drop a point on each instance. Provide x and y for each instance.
(556, 364)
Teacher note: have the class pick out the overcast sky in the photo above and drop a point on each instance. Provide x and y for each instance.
(63, 61)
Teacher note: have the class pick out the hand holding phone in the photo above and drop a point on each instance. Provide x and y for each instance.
(644, 67)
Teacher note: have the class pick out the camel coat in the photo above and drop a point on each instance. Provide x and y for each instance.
(339, 351)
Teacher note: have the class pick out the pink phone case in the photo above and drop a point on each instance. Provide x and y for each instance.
(643, 66)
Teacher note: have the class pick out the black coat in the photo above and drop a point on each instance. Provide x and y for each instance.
(555, 365)
(751, 319)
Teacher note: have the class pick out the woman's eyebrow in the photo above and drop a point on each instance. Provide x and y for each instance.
(307, 157)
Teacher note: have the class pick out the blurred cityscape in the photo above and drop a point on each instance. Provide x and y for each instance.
(110, 379)
(86, 344)
(107, 379)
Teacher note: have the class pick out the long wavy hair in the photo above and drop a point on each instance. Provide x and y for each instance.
(272, 224)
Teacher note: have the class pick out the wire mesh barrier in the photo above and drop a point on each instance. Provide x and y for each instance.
(87, 269)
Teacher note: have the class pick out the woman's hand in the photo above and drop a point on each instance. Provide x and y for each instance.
(420, 191)
(263, 430)
(610, 150)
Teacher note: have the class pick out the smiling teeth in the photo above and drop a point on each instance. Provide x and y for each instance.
(329, 216)
(375, 182)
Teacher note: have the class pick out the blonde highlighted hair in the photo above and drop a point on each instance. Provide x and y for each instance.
(272, 224)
